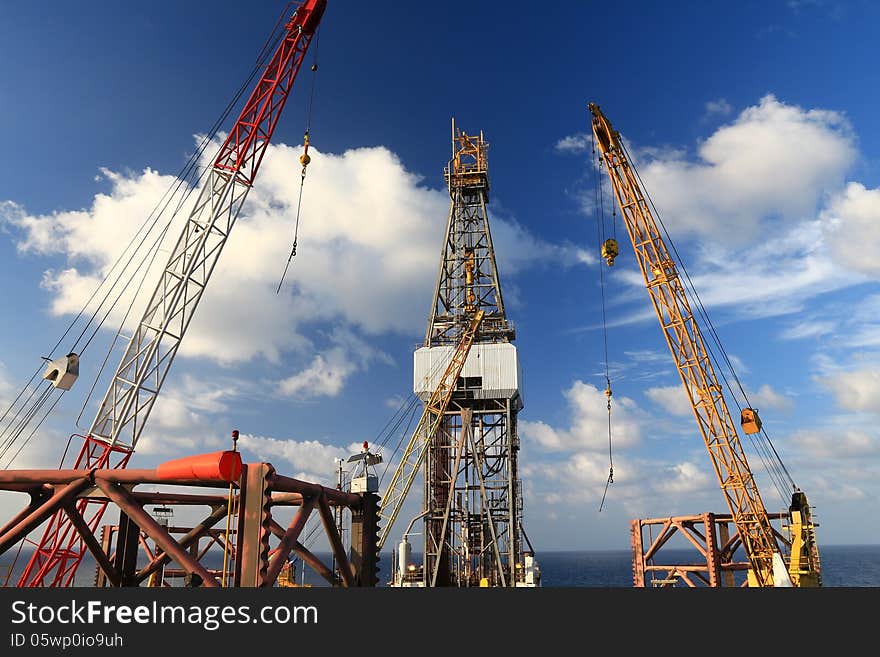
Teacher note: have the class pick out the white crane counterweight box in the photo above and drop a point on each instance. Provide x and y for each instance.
(491, 370)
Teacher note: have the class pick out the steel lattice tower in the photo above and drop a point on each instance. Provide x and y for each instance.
(472, 500)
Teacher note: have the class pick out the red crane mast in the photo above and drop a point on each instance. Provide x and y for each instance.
(126, 406)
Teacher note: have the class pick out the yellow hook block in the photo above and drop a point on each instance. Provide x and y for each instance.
(610, 251)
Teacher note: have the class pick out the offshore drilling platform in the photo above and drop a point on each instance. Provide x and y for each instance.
(464, 450)
(472, 499)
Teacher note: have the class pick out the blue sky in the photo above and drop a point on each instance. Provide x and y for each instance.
(752, 124)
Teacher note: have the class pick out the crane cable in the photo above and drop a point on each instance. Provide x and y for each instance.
(18, 421)
(190, 172)
(408, 409)
(187, 172)
(600, 232)
(304, 160)
(773, 463)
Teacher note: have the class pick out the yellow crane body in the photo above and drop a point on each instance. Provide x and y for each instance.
(432, 418)
(686, 344)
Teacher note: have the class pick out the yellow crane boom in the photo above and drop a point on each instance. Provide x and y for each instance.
(703, 389)
(428, 425)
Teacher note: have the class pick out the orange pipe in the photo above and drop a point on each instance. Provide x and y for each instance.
(223, 466)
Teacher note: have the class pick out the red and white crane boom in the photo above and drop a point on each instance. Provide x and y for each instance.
(142, 371)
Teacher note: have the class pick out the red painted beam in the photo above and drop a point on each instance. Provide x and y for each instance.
(154, 530)
(291, 536)
(91, 542)
(38, 515)
(193, 535)
(335, 542)
(290, 485)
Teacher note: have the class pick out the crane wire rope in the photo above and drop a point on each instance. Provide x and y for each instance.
(600, 236)
(407, 409)
(137, 241)
(410, 416)
(22, 422)
(232, 503)
(304, 159)
(269, 46)
(771, 466)
(186, 173)
(774, 466)
(309, 538)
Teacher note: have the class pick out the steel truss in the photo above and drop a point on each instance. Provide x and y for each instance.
(258, 545)
(713, 536)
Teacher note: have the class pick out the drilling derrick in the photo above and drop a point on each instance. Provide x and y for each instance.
(472, 504)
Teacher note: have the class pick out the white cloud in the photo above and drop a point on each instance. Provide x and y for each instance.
(507, 239)
(767, 397)
(856, 390)
(813, 328)
(866, 335)
(396, 402)
(579, 477)
(673, 399)
(324, 376)
(96, 236)
(6, 394)
(718, 107)
(796, 5)
(328, 371)
(358, 207)
(774, 160)
(852, 224)
(684, 478)
(831, 444)
(311, 460)
(580, 142)
(186, 417)
(589, 422)
(859, 326)
(640, 356)
(754, 198)
(738, 364)
(772, 278)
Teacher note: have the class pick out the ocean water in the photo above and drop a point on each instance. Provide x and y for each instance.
(842, 566)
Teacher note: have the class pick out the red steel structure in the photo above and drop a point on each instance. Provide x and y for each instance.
(139, 377)
(716, 542)
(261, 547)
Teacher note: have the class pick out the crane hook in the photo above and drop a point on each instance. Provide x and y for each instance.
(304, 159)
(610, 251)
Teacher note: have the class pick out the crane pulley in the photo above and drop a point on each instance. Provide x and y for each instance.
(685, 341)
